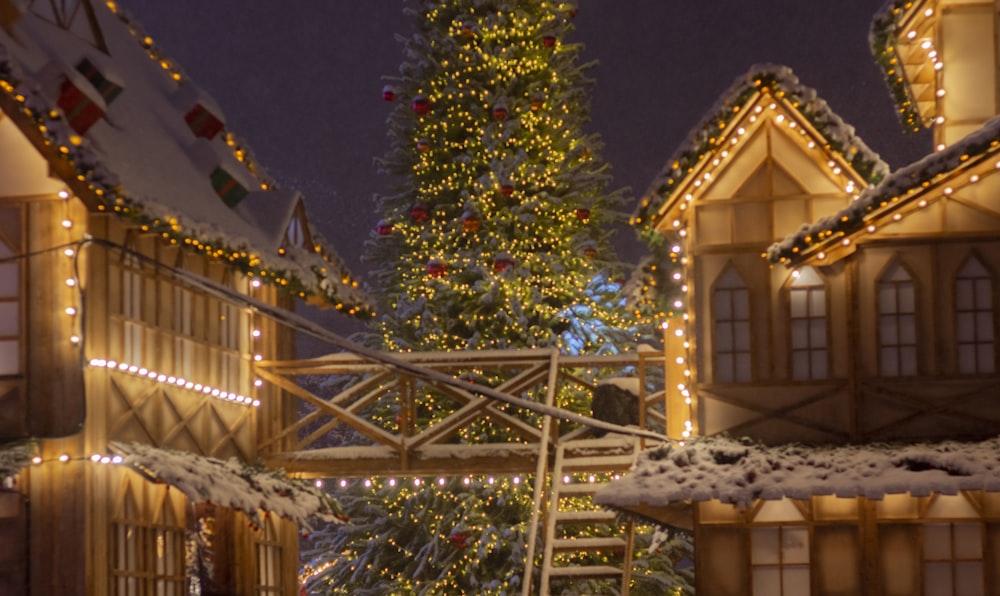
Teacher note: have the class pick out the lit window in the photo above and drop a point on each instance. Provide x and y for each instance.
(897, 323)
(731, 328)
(953, 558)
(269, 558)
(974, 319)
(147, 533)
(780, 560)
(10, 310)
(131, 309)
(807, 313)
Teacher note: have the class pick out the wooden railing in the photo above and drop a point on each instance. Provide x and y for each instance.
(372, 426)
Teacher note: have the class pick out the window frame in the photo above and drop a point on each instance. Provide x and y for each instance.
(791, 288)
(882, 282)
(720, 286)
(979, 368)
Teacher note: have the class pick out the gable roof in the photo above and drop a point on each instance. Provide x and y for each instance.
(741, 471)
(708, 142)
(143, 161)
(899, 32)
(907, 189)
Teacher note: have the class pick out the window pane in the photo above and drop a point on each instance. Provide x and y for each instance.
(969, 578)
(741, 335)
(817, 333)
(741, 304)
(9, 319)
(986, 360)
(765, 546)
(967, 358)
(907, 302)
(766, 581)
(886, 298)
(800, 333)
(937, 578)
(10, 357)
(984, 325)
(984, 294)
(797, 299)
(965, 326)
(795, 545)
(817, 302)
(937, 541)
(9, 278)
(795, 581)
(722, 305)
(724, 337)
(888, 331)
(907, 329)
(964, 294)
(968, 541)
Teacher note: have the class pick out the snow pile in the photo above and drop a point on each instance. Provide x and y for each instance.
(13, 457)
(741, 471)
(885, 197)
(233, 484)
(780, 82)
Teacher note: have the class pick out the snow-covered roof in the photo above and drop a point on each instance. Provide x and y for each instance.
(233, 484)
(882, 39)
(742, 471)
(143, 161)
(898, 191)
(708, 138)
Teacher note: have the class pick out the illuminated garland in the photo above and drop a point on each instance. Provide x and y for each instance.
(882, 40)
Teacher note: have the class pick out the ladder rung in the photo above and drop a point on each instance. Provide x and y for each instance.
(571, 517)
(578, 488)
(603, 463)
(586, 572)
(563, 545)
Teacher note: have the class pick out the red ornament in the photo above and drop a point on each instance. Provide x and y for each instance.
(502, 262)
(388, 93)
(469, 29)
(549, 41)
(459, 539)
(499, 112)
(421, 105)
(383, 228)
(423, 145)
(436, 268)
(419, 213)
(506, 189)
(589, 250)
(470, 221)
(582, 213)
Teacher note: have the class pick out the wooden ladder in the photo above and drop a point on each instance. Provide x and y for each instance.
(564, 524)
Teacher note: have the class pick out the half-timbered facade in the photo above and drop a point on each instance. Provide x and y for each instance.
(874, 323)
(135, 234)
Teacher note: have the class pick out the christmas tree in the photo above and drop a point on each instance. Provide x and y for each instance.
(497, 237)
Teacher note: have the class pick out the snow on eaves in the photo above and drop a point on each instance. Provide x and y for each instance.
(14, 456)
(742, 471)
(142, 162)
(233, 484)
(882, 41)
(704, 139)
(883, 197)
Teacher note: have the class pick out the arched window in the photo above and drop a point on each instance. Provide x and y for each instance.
(10, 310)
(974, 333)
(807, 320)
(897, 322)
(731, 328)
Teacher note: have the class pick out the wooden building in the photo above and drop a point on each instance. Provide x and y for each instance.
(874, 321)
(136, 233)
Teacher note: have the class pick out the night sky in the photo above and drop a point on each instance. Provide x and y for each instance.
(300, 81)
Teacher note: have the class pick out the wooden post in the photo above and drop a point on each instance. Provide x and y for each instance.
(674, 364)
